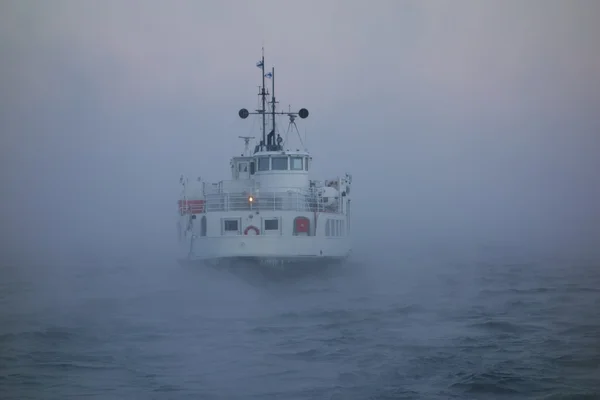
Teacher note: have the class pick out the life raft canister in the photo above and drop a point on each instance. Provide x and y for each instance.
(255, 229)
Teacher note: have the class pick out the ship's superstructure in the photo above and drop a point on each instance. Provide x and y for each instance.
(270, 209)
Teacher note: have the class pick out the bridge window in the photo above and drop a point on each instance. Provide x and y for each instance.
(252, 167)
(296, 163)
(306, 163)
(279, 163)
(263, 163)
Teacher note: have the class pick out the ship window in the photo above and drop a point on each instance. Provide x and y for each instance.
(306, 163)
(263, 163)
(271, 224)
(251, 167)
(230, 225)
(328, 228)
(243, 167)
(279, 163)
(296, 163)
(203, 226)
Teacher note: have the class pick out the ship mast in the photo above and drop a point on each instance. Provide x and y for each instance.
(244, 113)
(273, 100)
(263, 94)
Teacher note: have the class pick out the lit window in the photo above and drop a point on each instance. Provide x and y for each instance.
(279, 163)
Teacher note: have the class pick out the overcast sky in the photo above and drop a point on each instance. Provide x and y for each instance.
(470, 117)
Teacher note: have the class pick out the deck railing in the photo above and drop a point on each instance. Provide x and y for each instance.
(272, 201)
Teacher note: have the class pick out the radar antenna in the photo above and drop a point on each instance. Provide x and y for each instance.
(246, 144)
(293, 122)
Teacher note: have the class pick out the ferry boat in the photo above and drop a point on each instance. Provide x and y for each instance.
(270, 211)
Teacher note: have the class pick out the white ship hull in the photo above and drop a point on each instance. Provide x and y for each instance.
(269, 249)
(323, 244)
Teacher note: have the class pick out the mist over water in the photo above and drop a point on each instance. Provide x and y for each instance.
(426, 323)
(470, 130)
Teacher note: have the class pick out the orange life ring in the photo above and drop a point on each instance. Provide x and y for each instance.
(253, 228)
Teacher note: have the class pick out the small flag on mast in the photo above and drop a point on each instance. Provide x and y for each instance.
(268, 75)
(259, 64)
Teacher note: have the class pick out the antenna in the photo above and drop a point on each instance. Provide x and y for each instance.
(271, 145)
(292, 122)
(273, 100)
(263, 94)
(246, 143)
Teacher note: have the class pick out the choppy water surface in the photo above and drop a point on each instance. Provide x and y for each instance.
(379, 329)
